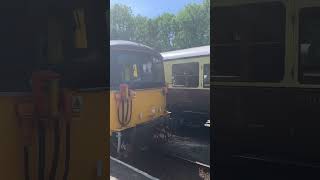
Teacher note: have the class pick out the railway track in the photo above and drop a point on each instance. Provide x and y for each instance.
(183, 159)
(178, 156)
(169, 167)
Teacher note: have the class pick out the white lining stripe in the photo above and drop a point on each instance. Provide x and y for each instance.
(134, 169)
(196, 162)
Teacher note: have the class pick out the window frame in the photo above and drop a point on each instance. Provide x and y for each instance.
(139, 84)
(205, 85)
(197, 67)
(301, 71)
(239, 77)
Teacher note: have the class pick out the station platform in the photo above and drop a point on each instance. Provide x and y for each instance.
(122, 171)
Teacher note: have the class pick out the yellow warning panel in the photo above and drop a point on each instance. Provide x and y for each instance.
(11, 151)
(81, 30)
(89, 143)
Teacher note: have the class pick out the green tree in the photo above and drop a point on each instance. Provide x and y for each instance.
(121, 22)
(193, 25)
(152, 35)
(206, 9)
(189, 28)
(141, 29)
(167, 29)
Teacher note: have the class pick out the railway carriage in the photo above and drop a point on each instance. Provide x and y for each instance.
(265, 80)
(187, 74)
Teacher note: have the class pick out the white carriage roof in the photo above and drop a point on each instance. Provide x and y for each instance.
(186, 53)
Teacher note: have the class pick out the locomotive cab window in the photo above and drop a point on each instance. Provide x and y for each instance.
(249, 42)
(309, 45)
(206, 75)
(185, 75)
(138, 70)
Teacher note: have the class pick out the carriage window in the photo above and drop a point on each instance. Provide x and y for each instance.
(185, 75)
(206, 75)
(309, 45)
(249, 42)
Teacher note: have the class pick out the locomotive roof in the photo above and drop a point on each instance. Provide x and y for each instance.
(187, 53)
(133, 46)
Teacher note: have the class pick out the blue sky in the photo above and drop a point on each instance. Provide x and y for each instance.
(154, 8)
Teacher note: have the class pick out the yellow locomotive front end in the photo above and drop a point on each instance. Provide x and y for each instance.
(137, 92)
(52, 107)
(143, 106)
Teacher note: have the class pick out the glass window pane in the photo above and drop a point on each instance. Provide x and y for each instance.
(206, 75)
(138, 70)
(309, 45)
(249, 42)
(185, 75)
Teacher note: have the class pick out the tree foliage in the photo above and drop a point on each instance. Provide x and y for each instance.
(121, 22)
(189, 28)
